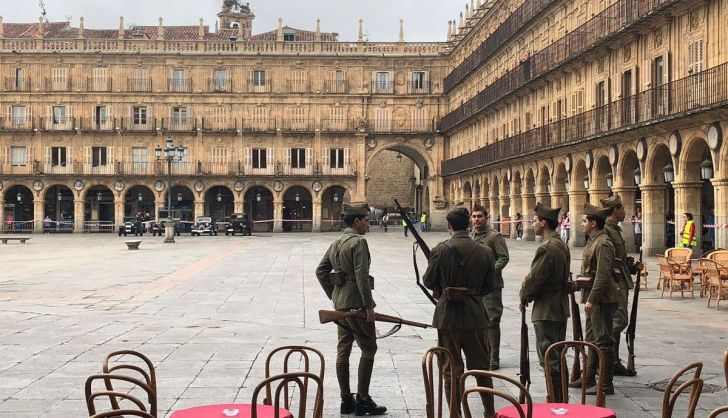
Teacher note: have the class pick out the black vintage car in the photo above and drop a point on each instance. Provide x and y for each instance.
(131, 225)
(204, 225)
(238, 223)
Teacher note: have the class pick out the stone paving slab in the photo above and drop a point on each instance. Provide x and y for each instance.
(208, 311)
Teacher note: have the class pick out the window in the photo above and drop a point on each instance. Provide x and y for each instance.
(179, 82)
(140, 80)
(419, 81)
(18, 156)
(381, 82)
(139, 157)
(298, 157)
(139, 114)
(219, 155)
(58, 156)
(289, 37)
(18, 115)
(336, 158)
(19, 79)
(59, 115)
(59, 79)
(98, 156)
(260, 158)
(179, 115)
(100, 80)
(101, 117)
(339, 77)
(219, 80)
(259, 78)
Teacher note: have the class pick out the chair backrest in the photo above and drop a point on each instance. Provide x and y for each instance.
(720, 411)
(672, 393)
(149, 375)
(710, 269)
(108, 380)
(720, 256)
(288, 352)
(490, 391)
(664, 264)
(282, 381)
(122, 413)
(679, 254)
(442, 355)
(580, 351)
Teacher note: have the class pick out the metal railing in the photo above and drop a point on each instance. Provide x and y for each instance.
(338, 125)
(336, 87)
(259, 125)
(17, 84)
(103, 84)
(268, 170)
(179, 125)
(258, 87)
(219, 85)
(139, 124)
(298, 125)
(99, 125)
(17, 123)
(220, 125)
(98, 226)
(20, 167)
(16, 227)
(403, 125)
(139, 84)
(418, 87)
(298, 86)
(700, 91)
(307, 170)
(220, 168)
(62, 167)
(179, 85)
(53, 84)
(382, 87)
(346, 170)
(58, 123)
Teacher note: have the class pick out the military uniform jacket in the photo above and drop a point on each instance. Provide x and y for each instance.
(614, 232)
(544, 284)
(462, 263)
(348, 254)
(599, 256)
(495, 241)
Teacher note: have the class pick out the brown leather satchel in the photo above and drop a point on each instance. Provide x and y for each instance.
(457, 293)
(617, 273)
(584, 282)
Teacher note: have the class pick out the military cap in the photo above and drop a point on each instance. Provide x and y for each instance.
(591, 210)
(478, 208)
(352, 209)
(459, 212)
(611, 202)
(545, 212)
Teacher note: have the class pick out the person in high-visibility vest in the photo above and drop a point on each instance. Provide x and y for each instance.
(688, 239)
(423, 222)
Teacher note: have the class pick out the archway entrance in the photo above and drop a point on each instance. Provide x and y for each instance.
(139, 200)
(183, 206)
(401, 172)
(259, 205)
(297, 210)
(658, 204)
(219, 203)
(59, 209)
(98, 210)
(331, 202)
(698, 192)
(18, 210)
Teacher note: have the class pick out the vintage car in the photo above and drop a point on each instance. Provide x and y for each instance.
(238, 223)
(204, 225)
(130, 226)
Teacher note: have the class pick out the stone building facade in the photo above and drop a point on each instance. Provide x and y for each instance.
(282, 125)
(564, 102)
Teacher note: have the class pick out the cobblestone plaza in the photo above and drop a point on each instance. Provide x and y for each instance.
(208, 310)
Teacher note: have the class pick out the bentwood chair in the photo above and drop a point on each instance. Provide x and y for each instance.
(723, 410)
(466, 391)
(300, 382)
(443, 358)
(113, 364)
(129, 384)
(123, 413)
(288, 356)
(580, 353)
(674, 389)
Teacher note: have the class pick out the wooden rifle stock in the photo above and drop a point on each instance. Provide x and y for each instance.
(578, 334)
(632, 327)
(420, 243)
(525, 365)
(331, 316)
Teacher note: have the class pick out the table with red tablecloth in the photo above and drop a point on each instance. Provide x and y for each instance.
(544, 410)
(217, 411)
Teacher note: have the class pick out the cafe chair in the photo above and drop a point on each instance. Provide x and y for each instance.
(675, 277)
(466, 391)
(123, 413)
(723, 410)
(675, 388)
(288, 352)
(113, 364)
(129, 384)
(716, 281)
(441, 356)
(580, 352)
(91, 402)
(282, 381)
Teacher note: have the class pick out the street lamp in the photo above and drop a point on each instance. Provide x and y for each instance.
(669, 172)
(336, 197)
(399, 157)
(298, 197)
(219, 196)
(59, 196)
(610, 180)
(99, 196)
(586, 182)
(19, 197)
(179, 196)
(706, 169)
(637, 176)
(140, 196)
(171, 154)
(258, 197)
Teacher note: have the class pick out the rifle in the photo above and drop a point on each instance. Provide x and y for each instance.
(525, 372)
(632, 327)
(577, 332)
(419, 243)
(332, 316)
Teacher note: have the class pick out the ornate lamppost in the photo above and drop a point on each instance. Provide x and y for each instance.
(171, 154)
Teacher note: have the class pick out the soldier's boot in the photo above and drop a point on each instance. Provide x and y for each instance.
(493, 335)
(608, 377)
(348, 405)
(620, 370)
(558, 391)
(368, 407)
(591, 372)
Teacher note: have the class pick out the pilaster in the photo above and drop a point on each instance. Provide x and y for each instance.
(38, 209)
(78, 215)
(277, 215)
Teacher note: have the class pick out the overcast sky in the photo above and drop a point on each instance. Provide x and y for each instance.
(425, 20)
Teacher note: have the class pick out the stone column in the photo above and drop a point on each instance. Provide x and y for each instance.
(560, 200)
(79, 217)
(277, 215)
(720, 193)
(119, 211)
(159, 205)
(687, 199)
(653, 218)
(595, 195)
(515, 207)
(544, 198)
(503, 202)
(238, 204)
(3, 225)
(493, 208)
(38, 215)
(199, 209)
(627, 195)
(577, 198)
(359, 165)
(527, 206)
(316, 216)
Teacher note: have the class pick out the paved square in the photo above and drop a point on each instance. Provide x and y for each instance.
(208, 310)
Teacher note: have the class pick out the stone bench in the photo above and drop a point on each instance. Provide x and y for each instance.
(20, 238)
(133, 244)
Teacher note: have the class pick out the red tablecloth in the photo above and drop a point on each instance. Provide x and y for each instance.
(543, 410)
(215, 411)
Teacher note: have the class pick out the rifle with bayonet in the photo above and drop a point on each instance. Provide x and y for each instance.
(632, 327)
(419, 242)
(525, 366)
(577, 332)
(333, 316)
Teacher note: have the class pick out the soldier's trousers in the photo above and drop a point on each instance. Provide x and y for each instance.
(470, 342)
(600, 332)
(621, 320)
(493, 302)
(547, 333)
(365, 336)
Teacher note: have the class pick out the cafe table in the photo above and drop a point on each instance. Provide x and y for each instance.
(238, 410)
(551, 410)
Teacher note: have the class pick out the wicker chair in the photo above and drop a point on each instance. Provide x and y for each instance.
(580, 350)
(300, 380)
(716, 284)
(672, 393)
(114, 396)
(442, 355)
(675, 276)
(289, 351)
(466, 391)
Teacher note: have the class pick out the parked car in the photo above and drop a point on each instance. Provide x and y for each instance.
(204, 225)
(238, 223)
(130, 226)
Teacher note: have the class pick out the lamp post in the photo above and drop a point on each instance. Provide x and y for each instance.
(637, 176)
(171, 154)
(669, 173)
(706, 169)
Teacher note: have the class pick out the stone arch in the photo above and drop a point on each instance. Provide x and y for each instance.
(219, 201)
(59, 207)
(628, 162)
(601, 170)
(560, 178)
(99, 209)
(698, 196)
(332, 199)
(183, 205)
(578, 173)
(658, 156)
(134, 205)
(529, 182)
(467, 195)
(545, 184)
(694, 151)
(18, 201)
(297, 209)
(258, 203)
(477, 192)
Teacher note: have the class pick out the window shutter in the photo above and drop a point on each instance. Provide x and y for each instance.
(29, 155)
(48, 157)
(309, 152)
(110, 156)
(287, 160)
(87, 160)
(248, 158)
(110, 117)
(49, 116)
(347, 156)
(325, 153)
(4, 159)
(69, 156)
(270, 159)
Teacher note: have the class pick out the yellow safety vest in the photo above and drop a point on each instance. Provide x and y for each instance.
(686, 235)
(423, 218)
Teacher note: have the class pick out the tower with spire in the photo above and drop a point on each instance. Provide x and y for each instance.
(235, 15)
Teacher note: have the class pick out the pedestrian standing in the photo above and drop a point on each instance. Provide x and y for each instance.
(423, 222)
(47, 225)
(687, 237)
(519, 226)
(385, 221)
(637, 222)
(565, 227)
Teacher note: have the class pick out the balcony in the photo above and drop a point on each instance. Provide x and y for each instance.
(143, 85)
(418, 87)
(222, 125)
(97, 125)
(698, 92)
(179, 124)
(20, 168)
(336, 87)
(403, 126)
(259, 87)
(17, 123)
(220, 168)
(219, 85)
(298, 86)
(58, 124)
(17, 84)
(100, 168)
(259, 125)
(54, 84)
(267, 170)
(61, 167)
(382, 87)
(338, 125)
(179, 85)
(344, 170)
(298, 125)
(102, 84)
(139, 124)
(307, 170)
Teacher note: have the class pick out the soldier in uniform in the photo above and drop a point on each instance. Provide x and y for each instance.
(482, 232)
(615, 214)
(601, 300)
(546, 286)
(462, 271)
(344, 275)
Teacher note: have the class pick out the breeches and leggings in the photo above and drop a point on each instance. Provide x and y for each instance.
(493, 302)
(547, 333)
(599, 331)
(364, 334)
(621, 320)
